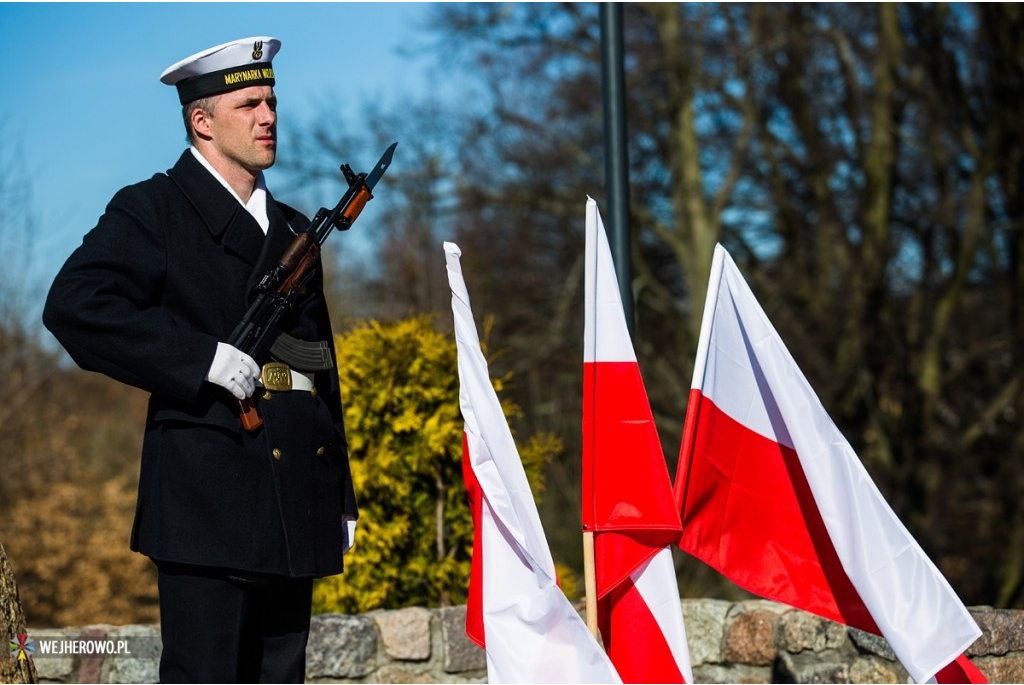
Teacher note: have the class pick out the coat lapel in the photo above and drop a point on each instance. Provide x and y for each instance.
(225, 218)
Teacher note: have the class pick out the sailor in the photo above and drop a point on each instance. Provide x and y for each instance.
(238, 522)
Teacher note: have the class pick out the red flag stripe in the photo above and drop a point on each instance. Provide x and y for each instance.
(474, 603)
(755, 519)
(631, 490)
(960, 670)
(618, 555)
(628, 624)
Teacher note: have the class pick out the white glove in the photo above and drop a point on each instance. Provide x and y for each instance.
(349, 532)
(234, 370)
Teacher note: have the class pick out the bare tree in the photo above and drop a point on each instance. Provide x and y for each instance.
(861, 162)
(12, 623)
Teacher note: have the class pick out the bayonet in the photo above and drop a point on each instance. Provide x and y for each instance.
(382, 166)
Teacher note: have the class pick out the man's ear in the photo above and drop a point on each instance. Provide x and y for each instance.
(200, 120)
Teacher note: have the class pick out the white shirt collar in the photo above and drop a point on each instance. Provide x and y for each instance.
(257, 204)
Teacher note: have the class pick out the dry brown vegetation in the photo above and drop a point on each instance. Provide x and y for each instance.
(67, 499)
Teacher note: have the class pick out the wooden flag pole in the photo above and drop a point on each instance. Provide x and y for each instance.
(590, 582)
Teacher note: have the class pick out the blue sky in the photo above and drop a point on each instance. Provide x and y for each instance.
(83, 105)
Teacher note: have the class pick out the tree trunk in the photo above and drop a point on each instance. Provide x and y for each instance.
(12, 624)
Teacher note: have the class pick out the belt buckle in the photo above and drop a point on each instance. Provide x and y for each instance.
(276, 377)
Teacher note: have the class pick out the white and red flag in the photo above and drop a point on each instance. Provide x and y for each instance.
(627, 494)
(774, 497)
(516, 612)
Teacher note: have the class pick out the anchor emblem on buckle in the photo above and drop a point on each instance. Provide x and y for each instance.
(276, 377)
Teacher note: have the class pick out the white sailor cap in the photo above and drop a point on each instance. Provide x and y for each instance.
(239, 64)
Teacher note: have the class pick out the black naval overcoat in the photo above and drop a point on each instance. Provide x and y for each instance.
(165, 275)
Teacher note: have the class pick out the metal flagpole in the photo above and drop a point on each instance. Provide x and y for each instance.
(617, 193)
(616, 154)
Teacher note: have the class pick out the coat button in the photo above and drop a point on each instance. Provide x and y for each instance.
(321, 451)
(313, 392)
(276, 453)
(267, 395)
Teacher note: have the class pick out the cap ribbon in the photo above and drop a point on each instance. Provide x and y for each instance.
(256, 74)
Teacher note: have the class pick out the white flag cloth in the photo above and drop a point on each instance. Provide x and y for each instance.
(532, 633)
(775, 498)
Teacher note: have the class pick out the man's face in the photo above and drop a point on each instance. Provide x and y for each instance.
(243, 127)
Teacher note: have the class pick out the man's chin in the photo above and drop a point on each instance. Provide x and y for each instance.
(264, 162)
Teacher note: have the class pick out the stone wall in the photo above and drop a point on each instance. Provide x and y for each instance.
(730, 642)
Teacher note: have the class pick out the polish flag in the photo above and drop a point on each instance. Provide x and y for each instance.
(775, 498)
(517, 613)
(627, 493)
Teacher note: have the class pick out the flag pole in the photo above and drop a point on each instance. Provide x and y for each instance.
(616, 152)
(617, 189)
(590, 582)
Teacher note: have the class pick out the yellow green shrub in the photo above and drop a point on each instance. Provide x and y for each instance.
(414, 542)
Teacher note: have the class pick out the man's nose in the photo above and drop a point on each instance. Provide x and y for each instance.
(267, 115)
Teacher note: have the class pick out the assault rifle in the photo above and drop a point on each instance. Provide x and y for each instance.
(279, 288)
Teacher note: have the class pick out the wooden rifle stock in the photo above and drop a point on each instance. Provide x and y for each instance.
(251, 419)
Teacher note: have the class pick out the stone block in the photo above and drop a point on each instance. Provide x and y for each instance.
(403, 674)
(1002, 632)
(869, 643)
(90, 666)
(341, 647)
(55, 669)
(1005, 669)
(812, 667)
(143, 665)
(717, 674)
(705, 626)
(460, 653)
(873, 670)
(405, 633)
(750, 638)
(798, 631)
(759, 605)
